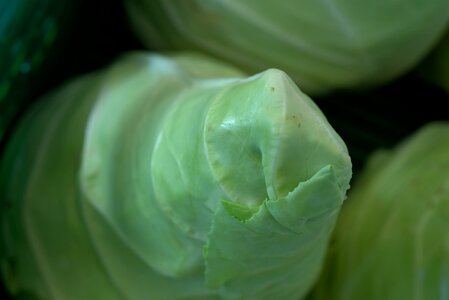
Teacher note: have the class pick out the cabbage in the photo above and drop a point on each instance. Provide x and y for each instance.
(323, 44)
(391, 241)
(170, 178)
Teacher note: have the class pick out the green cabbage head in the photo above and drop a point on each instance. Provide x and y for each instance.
(392, 238)
(170, 178)
(323, 44)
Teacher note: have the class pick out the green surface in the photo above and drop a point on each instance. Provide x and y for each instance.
(391, 241)
(323, 45)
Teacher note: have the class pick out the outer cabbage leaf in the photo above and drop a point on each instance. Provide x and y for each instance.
(391, 240)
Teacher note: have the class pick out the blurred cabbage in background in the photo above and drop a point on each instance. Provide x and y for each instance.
(30, 35)
(323, 45)
(391, 241)
(45, 42)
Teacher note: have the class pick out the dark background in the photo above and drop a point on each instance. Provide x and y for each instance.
(98, 33)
